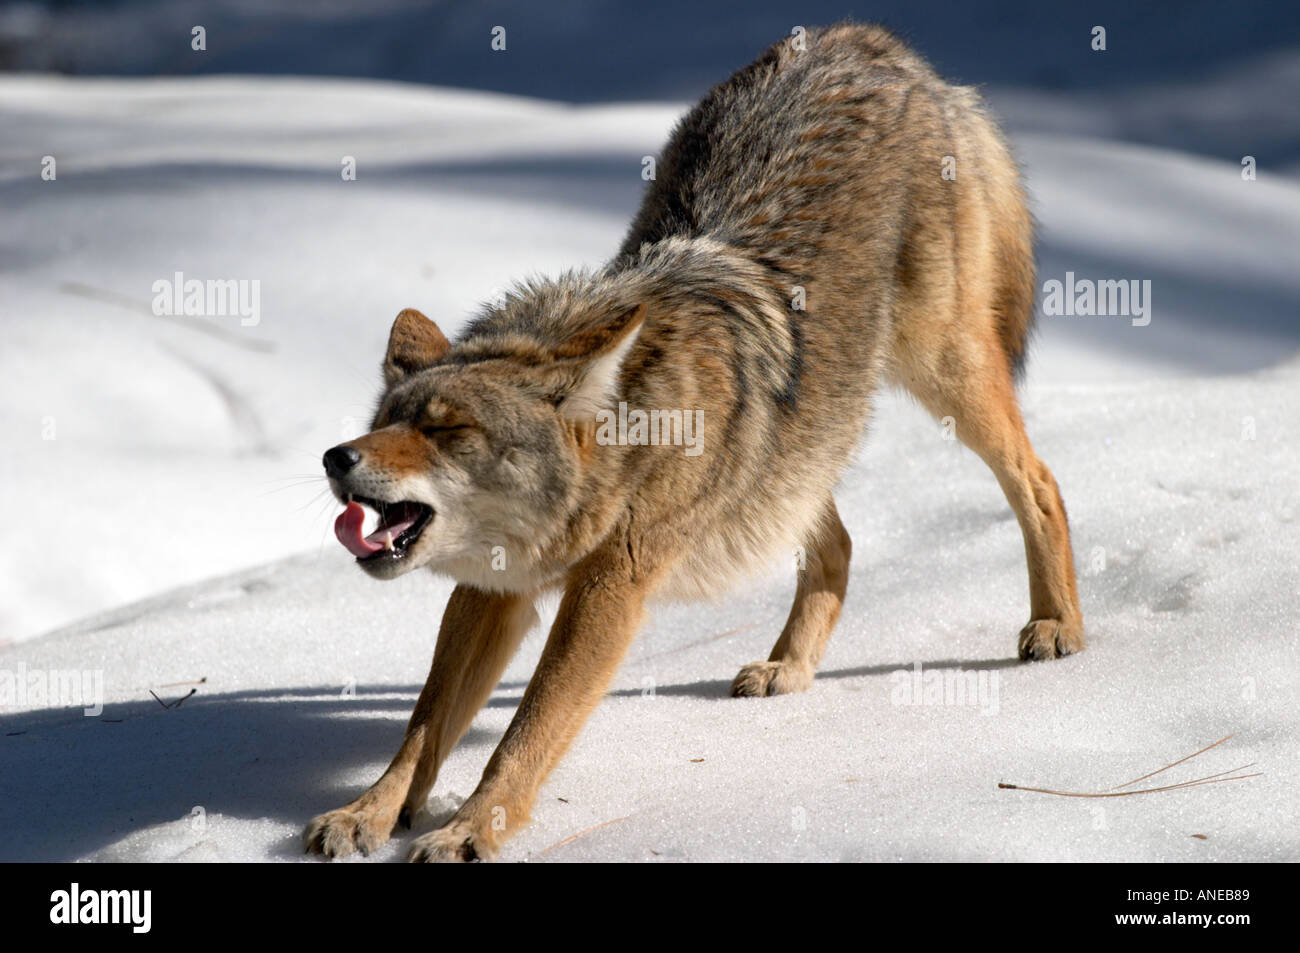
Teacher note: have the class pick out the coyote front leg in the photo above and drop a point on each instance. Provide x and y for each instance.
(818, 600)
(480, 632)
(597, 620)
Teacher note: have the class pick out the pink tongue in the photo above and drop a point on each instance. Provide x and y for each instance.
(348, 529)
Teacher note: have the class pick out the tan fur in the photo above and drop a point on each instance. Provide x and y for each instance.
(811, 176)
(414, 342)
(480, 632)
(818, 599)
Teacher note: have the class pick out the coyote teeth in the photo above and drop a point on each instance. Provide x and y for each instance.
(388, 541)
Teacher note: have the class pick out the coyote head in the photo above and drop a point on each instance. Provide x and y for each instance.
(478, 454)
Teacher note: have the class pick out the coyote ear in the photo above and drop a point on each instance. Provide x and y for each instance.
(414, 344)
(600, 352)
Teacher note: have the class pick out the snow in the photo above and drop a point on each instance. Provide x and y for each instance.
(186, 454)
(211, 422)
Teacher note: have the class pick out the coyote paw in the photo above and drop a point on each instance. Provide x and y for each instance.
(759, 679)
(453, 844)
(1050, 638)
(339, 833)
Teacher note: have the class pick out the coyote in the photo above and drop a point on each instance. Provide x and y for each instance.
(832, 218)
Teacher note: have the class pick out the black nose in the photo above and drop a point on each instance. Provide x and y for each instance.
(339, 460)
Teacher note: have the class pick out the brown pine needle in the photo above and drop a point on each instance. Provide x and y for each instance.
(573, 837)
(1117, 792)
(1212, 779)
(1174, 765)
(1209, 777)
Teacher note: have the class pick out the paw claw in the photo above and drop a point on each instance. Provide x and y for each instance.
(447, 846)
(760, 679)
(345, 831)
(1045, 639)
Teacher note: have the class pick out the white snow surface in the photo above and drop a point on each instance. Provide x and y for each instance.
(146, 453)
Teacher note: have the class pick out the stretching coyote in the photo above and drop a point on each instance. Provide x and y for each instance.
(831, 218)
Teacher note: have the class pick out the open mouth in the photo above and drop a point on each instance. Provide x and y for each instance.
(400, 524)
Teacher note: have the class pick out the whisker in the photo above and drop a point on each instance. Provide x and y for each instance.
(315, 500)
(291, 486)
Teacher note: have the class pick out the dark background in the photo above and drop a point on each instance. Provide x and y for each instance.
(1202, 71)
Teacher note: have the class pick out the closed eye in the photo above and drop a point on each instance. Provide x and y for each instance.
(432, 430)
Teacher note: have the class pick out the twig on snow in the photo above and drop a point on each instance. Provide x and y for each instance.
(1118, 792)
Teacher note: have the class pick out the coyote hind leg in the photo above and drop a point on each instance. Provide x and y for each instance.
(978, 393)
(816, 609)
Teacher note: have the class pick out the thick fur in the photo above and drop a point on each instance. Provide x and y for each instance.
(799, 249)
